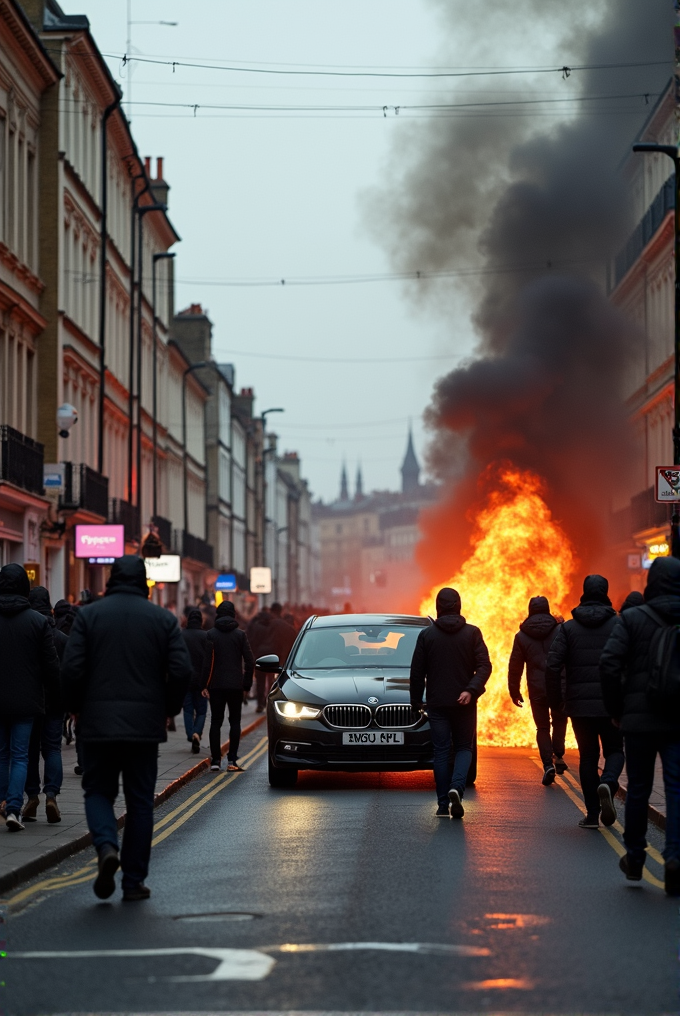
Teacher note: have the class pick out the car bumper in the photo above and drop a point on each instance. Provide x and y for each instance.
(314, 746)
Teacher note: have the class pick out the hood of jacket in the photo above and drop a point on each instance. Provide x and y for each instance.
(450, 623)
(128, 575)
(538, 605)
(194, 619)
(39, 599)
(663, 587)
(14, 589)
(538, 626)
(226, 609)
(595, 590)
(633, 599)
(226, 624)
(592, 615)
(448, 601)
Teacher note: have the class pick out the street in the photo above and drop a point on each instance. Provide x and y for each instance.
(346, 894)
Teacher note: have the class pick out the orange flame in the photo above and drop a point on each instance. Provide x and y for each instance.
(517, 551)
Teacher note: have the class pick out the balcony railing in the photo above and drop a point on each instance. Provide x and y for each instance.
(124, 514)
(85, 488)
(164, 527)
(21, 460)
(663, 203)
(197, 549)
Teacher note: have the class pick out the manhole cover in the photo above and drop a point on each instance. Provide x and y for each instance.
(225, 915)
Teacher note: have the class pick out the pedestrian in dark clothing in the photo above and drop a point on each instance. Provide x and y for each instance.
(530, 649)
(64, 615)
(452, 659)
(126, 668)
(29, 671)
(576, 650)
(648, 731)
(633, 599)
(230, 664)
(46, 732)
(273, 637)
(195, 703)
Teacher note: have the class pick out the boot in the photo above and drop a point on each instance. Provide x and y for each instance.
(52, 810)
(29, 812)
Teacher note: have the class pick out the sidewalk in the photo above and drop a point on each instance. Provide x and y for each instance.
(25, 854)
(657, 802)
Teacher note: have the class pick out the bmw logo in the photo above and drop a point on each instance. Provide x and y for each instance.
(373, 700)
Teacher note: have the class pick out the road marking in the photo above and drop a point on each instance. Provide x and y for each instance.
(606, 832)
(502, 983)
(233, 964)
(422, 948)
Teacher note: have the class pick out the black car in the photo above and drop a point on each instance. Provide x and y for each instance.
(341, 702)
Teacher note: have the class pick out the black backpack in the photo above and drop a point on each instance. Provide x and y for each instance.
(663, 681)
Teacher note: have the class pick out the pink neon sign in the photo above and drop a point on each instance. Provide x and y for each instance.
(100, 541)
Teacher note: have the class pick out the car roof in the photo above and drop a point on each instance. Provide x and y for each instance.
(341, 620)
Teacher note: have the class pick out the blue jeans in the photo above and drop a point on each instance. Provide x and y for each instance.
(195, 707)
(138, 763)
(15, 736)
(45, 740)
(641, 752)
(452, 727)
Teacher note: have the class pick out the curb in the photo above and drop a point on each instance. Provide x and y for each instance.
(57, 854)
(655, 816)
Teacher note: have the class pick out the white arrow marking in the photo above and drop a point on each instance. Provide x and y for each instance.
(233, 964)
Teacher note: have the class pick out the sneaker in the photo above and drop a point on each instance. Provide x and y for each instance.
(195, 744)
(455, 804)
(52, 810)
(14, 823)
(672, 877)
(138, 892)
(29, 812)
(548, 775)
(561, 766)
(608, 811)
(78, 770)
(442, 811)
(590, 822)
(630, 868)
(215, 766)
(234, 767)
(109, 863)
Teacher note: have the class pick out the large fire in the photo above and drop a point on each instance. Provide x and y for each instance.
(517, 551)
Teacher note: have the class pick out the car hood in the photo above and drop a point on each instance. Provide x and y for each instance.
(347, 686)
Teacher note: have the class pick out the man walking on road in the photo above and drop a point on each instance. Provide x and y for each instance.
(452, 659)
(530, 648)
(577, 649)
(195, 703)
(650, 727)
(126, 668)
(230, 663)
(29, 671)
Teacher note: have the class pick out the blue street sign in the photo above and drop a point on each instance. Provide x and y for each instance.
(226, 583)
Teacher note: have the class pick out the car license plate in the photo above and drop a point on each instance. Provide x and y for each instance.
(378, 737)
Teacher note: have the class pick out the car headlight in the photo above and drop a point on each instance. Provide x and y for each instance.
(296, 711)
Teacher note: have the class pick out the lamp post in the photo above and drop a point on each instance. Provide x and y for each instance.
(189, 370)
(136, 195)
(163, 255)
(672, 152)
(263, 418)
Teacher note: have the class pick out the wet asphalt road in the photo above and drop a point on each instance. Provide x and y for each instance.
(514, 909)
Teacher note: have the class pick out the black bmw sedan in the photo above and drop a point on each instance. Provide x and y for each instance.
(341, 702)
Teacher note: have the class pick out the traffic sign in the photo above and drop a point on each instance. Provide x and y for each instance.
(226, 583)
(260, 580)
(667, 484)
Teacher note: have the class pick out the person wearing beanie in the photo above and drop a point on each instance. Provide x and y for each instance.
(195, 703)
(125, 669)
(46, 733)
(230, 664)
(451, 658)
(576, 652)
(530, 649)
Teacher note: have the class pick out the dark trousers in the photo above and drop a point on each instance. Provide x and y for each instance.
(549, 742)
(263, 683)
(195, 708)
(104, 763)
(641, 752)
(45, 741)
(590, 732)
(453, 728)
(219, 701)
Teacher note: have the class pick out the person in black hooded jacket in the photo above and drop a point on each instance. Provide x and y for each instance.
(126, 668)
(230, 665)
(648, 732)
(577, 649)
(530, 648)
(634, 599)
(195, 703)
(450, 656)
(29, 671)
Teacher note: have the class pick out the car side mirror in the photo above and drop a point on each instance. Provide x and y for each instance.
(268, 664)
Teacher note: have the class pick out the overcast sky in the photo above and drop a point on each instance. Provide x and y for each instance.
(263, 195)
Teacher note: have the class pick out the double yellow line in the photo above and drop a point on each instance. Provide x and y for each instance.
(169, 824)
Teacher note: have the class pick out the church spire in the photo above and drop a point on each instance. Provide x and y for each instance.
(359, 492)
(344, 488)
(410, 469)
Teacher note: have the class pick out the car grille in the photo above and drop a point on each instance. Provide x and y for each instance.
(348, 716)
(395, 716)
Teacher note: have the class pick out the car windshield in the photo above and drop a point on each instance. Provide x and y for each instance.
(356, 646)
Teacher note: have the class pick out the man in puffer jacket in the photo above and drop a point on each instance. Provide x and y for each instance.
(451, 657)
(195, 704)
(530, 648)
(230, 664)
(577, 648)
(624, 671)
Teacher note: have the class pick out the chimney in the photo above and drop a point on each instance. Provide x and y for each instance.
(243, 403)
(159, 187)
(147, 165)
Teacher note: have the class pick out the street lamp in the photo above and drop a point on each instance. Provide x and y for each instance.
(672, 152)
(163, 255)
(263, 418)
(189, 370)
